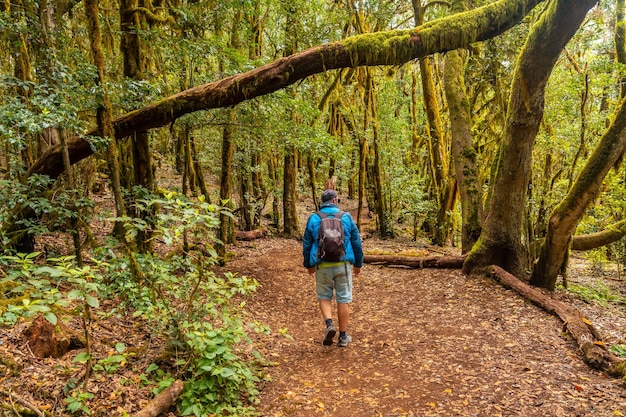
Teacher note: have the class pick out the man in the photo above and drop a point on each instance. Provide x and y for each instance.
(333, 278)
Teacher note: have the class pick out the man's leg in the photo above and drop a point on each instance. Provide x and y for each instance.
(326, 307)
(324, 287)
(343, 311)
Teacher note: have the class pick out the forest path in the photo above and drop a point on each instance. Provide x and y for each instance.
(425, 343)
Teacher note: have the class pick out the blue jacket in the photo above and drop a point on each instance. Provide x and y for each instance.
(352, 243)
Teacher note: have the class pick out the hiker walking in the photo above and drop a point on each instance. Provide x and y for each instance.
(333, 252)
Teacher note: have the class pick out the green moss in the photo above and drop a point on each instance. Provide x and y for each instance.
(5, 302)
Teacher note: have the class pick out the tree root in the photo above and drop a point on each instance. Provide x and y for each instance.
(27, 404)
(587, 337)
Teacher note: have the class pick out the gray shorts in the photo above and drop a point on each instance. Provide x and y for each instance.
(331, 280)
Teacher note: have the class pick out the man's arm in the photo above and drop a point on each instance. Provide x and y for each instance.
(307, 244)
(357, 245)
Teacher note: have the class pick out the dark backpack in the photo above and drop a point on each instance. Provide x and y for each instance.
(330, 238)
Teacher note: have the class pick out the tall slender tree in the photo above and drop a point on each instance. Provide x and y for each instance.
(463, 151)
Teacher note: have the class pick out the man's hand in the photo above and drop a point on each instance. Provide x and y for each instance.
(356, 271)
(311, 271)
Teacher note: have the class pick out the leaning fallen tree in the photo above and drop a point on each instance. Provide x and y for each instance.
(587, 337)
(394, 47)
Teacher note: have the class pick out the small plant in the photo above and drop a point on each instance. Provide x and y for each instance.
(159, 378)
(75, 401)
(619, 350)
(601, 294)
(221, 382)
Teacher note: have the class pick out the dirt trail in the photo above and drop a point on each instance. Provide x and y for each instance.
(426, 343)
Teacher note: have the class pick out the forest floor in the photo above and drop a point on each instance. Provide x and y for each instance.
(426, 342)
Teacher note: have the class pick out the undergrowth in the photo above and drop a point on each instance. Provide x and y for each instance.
(180, 298)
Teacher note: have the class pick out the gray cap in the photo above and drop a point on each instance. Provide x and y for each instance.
(328, 195)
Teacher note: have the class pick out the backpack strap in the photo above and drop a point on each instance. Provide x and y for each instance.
(337, 215)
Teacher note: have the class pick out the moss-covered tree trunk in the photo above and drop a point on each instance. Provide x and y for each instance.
(132, 53)
(611, 234)
(310, 166)
(443, 187)
(462, 149)
(500, 242)
(227, 224)
(291, 226)
(272, 168)
(565, 217)
(384, 224)
(246, 196)
(21, 240)
(567, 214)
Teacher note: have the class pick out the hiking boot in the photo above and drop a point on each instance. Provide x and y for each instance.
(343, 341)
(328, 337)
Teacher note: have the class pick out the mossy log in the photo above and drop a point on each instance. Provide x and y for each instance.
(163, 401)
(587, 337)
(452, 262)
(251, 234)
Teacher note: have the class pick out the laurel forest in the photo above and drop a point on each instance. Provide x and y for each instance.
(147, 135)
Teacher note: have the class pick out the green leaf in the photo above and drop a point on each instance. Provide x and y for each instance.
(92, 301)
(74, 294)
(51, 317)
(74, 406)
(152, 367)
(120, 347)
(82, 358)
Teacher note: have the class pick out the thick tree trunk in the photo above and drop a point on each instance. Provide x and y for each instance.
(567, 214)
(399, 47)
(133, 58)
(580, 328)
(500, 242)
(609, 151)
